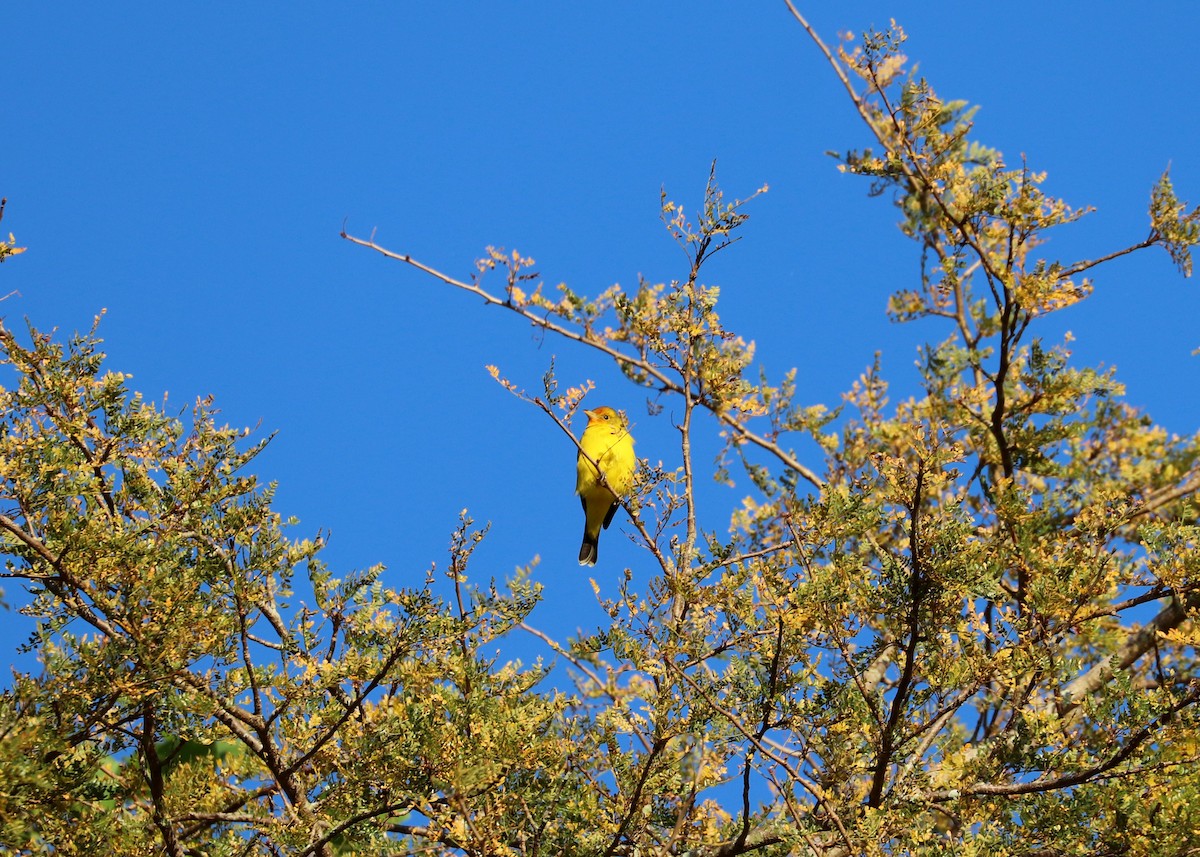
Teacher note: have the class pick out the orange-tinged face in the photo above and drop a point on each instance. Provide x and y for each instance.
(602, 414)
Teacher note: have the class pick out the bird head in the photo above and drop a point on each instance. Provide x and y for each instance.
(604, 414)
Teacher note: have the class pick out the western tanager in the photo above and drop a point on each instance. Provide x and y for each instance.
(607, 442)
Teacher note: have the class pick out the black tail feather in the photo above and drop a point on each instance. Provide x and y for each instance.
(589, 550)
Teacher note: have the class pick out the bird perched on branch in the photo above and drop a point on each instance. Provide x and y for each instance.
(606, 441)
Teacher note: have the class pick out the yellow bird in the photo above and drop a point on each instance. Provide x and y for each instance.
(607, 441)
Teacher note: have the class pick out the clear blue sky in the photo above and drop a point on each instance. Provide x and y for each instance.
(188, 169)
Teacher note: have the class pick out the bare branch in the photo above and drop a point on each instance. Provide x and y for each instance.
(1086, 264)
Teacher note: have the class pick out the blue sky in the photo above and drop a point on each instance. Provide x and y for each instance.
(188, 170)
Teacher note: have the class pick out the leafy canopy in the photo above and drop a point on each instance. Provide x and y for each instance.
(966, 628)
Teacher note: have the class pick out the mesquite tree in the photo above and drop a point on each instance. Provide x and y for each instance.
(921, 643)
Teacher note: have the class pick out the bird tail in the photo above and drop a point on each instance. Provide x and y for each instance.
(590, 549)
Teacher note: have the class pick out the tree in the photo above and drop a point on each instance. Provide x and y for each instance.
(8, 248)
(926, 643)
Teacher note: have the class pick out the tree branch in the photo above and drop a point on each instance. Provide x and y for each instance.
(641, 365)
(1044, 784)
(1137, 644)
(887, 743)
(635, 800)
